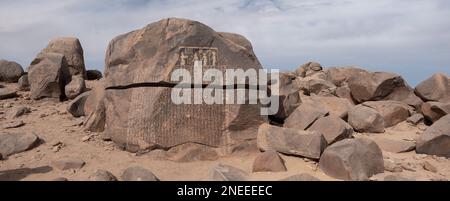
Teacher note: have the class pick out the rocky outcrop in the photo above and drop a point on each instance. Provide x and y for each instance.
(48, 75)
(136, 114)
(435, 88)
(73, 52)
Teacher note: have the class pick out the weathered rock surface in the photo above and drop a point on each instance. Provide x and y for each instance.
(312, 85)
(334, 105)
(288, 96)
(269, 161)
(76, 106)
(95, 109)
(149, 55)
(68, 163)
(406, 95)
(433, 111)
(393, 112)
(238, 40)
(374, 86)
(221, 172)
(307, 144)
(73, 52)
(75, 87)
(138, 174)
(10, 71)
(435, 88)
(12, 143)
(352, 159)
(304, 116)
(365, 119)
(333, 128)
(436, 139)
(48, 74)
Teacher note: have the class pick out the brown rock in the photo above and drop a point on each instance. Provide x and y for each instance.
(341, 76)
(48, 74)
(138, 174)
(68, 163)
(313, 85)
(435, 88)
(269, 161)
(76, 106)
(75, 87)
(149, 55)
(374, 86)
(406, 95)
(10, 71)
(392, 145)
(221, 172)
(433, 111)
(12, 143)
(288, 96)
(345, 92)
(333, 128)
(352, 159)
(415, 119)
(436, 139)
(238, 40)
(72, 51)
(334, 105)
(365, 119)
(6, 93)
(307, 144)
(304, 116)
(95, 109)
(393, 112)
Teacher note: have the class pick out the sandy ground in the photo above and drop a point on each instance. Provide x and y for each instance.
(50, 121)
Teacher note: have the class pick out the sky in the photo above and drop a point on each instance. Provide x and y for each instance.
(408, 37)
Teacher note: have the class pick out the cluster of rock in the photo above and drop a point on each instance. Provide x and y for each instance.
(320, 109)
(331, 104)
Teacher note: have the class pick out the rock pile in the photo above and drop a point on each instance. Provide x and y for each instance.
(321, 109)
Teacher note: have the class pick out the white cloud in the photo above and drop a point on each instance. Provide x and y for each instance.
(410, 37)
